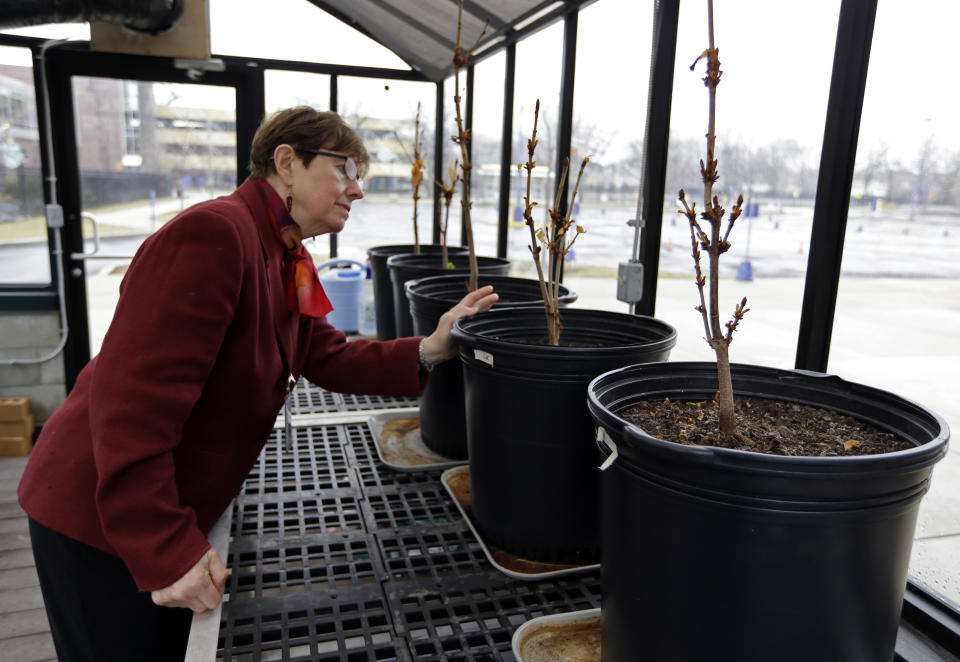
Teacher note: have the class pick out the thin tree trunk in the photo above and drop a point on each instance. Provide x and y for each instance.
(728, 423)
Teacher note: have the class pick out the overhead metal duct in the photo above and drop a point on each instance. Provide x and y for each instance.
(146, 16)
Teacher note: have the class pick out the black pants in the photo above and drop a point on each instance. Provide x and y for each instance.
(96, 612)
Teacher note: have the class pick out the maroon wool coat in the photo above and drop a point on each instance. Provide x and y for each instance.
(162, 427)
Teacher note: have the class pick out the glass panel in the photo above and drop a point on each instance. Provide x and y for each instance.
(898, 310)
(292, 30)
(383, 113)
(451, 151)
(24, 249)
(285, 89)
(486, 139)
(611, 134)
(769, 134)
(146, 151)
(537, 77)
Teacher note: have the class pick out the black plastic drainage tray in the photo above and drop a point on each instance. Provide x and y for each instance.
(335, 556)
(310, 399)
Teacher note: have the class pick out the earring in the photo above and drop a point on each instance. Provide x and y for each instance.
(289, 199)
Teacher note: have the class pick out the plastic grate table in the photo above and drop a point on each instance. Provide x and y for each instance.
(310, 399)
(336, 557)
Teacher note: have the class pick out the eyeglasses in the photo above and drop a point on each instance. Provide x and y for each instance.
(349, 167)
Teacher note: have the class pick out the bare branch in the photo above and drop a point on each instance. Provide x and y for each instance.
(695, 230)
(556, 236)
(416, 177)
(714, 244)
(528, 205)
(462, 59)
(448, 192)
(738, 313)
(734, 215)
(402, 146)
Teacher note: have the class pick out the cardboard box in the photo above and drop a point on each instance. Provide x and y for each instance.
(20, 428)
(15, 446)
(189, 38)
(14, 409)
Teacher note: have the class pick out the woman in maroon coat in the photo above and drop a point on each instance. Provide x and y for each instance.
(219, 312)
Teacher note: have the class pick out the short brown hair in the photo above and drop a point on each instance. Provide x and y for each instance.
(303, 127)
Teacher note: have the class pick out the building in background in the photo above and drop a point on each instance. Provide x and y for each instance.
(19, 144)
(197, 145)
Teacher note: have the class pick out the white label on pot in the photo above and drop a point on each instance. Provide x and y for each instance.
(602, 436)
(481, 355)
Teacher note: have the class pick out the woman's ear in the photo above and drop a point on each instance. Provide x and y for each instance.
(283, 158)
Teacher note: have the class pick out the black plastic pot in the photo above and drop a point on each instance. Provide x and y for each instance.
(383, 288)
(533, 477)
(711, 553)
(443, 426)
(410, 267)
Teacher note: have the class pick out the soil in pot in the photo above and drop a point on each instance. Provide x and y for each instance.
(772, 557)
(533, 473)
(383, 287)
(409, 267)
(781, 428)
(443, 425)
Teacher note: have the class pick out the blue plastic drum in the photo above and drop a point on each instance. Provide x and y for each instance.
(344, 287)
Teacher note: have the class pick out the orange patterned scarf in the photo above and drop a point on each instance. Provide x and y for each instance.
(305, 294)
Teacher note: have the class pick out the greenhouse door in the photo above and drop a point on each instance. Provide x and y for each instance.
(136, 140)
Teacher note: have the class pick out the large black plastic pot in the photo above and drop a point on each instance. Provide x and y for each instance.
(533, 479)
(410, 267)
(443, 427)
(383, 287)
(711, 553)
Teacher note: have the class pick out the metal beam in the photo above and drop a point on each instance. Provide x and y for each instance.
(18, 40)
(334, 102)
(506, 150)
(837, 159)
(76, 353)
(24, 300)
(659, 103)
(46, 148)
(161, 69)
(437, 158)
(322, 68)
(565, 123)
(412, 22)
(250, 110)
(81, 61)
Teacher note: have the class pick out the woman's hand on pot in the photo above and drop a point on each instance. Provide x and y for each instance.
(200, 589)
(439, 345)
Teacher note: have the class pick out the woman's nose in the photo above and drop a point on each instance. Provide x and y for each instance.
(355, 190)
